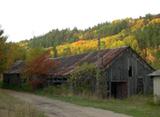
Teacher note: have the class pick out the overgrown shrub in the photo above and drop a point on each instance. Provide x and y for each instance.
(83, 79)
(87, 79)
(101, 84)
(37, 83)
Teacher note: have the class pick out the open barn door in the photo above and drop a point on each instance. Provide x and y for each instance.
(119, 90)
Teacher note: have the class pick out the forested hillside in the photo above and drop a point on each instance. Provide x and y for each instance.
(124, 27)
(142, 34)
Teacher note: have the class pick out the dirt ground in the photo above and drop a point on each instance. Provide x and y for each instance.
(55, 108)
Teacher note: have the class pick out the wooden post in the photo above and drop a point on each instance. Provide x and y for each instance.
(55, 51)
(98, 74)
(110, 84)
(99, 46)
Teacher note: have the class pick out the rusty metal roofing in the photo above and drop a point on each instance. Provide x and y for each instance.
(66, 65)
(101, 59)
(17, 67)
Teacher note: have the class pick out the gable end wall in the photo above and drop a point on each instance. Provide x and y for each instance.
(118, 72)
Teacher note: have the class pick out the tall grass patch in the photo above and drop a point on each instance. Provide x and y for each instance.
(12, 107)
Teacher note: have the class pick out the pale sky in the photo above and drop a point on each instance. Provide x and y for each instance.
(23, 19)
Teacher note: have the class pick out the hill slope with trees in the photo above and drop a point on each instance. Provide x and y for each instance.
(142, 34)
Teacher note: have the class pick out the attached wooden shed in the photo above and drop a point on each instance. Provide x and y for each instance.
(156, 85)
(13, 75)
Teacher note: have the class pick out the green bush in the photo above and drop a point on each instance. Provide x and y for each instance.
(87, 79)
(83, 79)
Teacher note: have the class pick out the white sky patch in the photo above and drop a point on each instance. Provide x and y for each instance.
(23, 19)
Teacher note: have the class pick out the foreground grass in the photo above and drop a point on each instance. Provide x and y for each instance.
(137, 106)
(12, 107)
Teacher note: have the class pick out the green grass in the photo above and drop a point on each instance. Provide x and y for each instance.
(137, 106)
(12, 107)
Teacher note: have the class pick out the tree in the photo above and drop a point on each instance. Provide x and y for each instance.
(40, 65)
(67, 51)
(14, 53)
(3, 51)
(38, 69)
(33, 53)
(149, 36)
(54, 50)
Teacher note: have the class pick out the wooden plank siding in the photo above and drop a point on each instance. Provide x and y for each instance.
(118, 71)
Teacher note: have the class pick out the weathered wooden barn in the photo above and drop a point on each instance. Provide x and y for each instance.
(125, 71)
(13, 75)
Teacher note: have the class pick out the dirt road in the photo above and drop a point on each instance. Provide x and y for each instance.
(55, 108)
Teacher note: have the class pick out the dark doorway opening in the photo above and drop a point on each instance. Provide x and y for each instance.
(119, 90)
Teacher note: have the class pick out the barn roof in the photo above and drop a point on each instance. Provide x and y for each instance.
(66, 65)
(155, 73)
(101, 58)
(16, 67)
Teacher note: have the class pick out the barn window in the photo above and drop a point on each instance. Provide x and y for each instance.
(130, 71)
